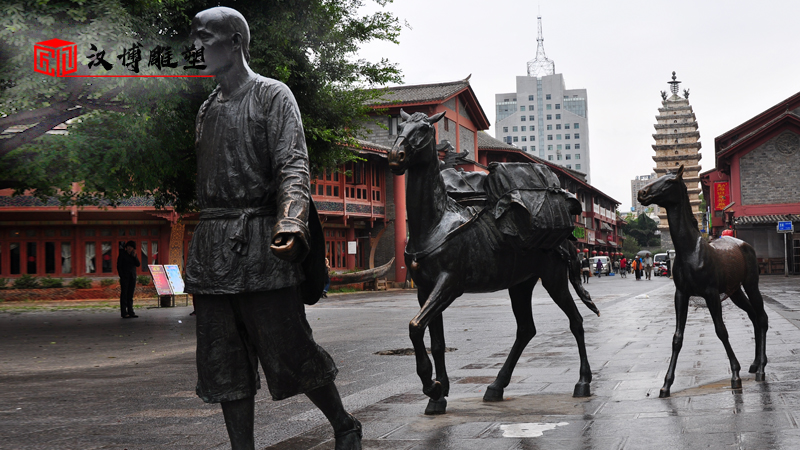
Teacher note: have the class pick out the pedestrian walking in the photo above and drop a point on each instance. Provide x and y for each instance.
(586, 269)
(599, 267)
(623, 267)
(327, 278)
(648, 265)
(127, 262)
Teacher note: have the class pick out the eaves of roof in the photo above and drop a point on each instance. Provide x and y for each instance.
(757, 122)
(433, 94)
(780, 120)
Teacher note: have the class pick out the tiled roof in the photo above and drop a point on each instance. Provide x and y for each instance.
(368, 145)
(421, 93)
(485, 141)
(767, 219)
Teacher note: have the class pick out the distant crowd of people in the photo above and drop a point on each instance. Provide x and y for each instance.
(639, 266)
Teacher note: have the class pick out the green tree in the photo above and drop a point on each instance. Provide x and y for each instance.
(141, 141)
(630, 247)
(643, 230)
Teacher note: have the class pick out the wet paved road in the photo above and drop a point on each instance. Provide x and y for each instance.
(86, 379)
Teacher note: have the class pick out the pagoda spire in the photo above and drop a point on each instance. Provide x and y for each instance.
(541, 65)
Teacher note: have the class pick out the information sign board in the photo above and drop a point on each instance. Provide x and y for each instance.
(175, 279)
(160, 280)
(785, 227)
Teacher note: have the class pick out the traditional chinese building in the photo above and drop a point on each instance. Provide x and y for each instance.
(361, 205)
(44, 239)
(755, 184)
(677, 143)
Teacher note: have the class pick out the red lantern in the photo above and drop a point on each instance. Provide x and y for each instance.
(594, 252)
(106, 257)
(586, 250)
(31, 259)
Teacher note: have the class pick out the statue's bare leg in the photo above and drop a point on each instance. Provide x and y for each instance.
(239, 417)
(346, 428)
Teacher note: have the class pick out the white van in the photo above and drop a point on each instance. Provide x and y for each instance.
(606, 264)
(660, 259)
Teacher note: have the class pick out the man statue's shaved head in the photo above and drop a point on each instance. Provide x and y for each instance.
(227, 20)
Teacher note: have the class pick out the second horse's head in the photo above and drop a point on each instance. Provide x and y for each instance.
(667, 190)
(416, 134)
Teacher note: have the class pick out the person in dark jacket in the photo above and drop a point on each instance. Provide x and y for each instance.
(586, 269)
(127, 262)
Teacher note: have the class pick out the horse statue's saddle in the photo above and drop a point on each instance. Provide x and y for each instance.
(529, 206)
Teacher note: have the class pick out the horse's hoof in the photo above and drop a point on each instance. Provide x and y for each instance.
(663, 393)
(736, 383)
(761, 376)
(436, 407)
(434, 391)
(493, 394)
(581, 390)
(753, 368)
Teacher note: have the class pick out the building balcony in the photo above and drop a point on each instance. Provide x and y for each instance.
(693, 145)
(669, 158)
(691, 134)
(670, 126)
(678, 116)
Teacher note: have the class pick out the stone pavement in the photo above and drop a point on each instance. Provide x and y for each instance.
(87, 379)
(629, 348)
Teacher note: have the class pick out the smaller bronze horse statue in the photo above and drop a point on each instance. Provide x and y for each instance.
(451, 252)
(713, 271)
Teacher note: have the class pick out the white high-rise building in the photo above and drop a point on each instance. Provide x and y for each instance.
(545, 118)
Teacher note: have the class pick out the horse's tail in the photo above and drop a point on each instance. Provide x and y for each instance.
(570, 254)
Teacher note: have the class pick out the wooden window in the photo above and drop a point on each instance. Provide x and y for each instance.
(336, 247)
(327, 185)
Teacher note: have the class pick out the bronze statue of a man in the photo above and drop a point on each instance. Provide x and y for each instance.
(244, 262)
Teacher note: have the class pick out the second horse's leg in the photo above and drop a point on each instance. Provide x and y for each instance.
(681, 311)
(441, 296)
(521, 305)
(436, 329)
(559, 292)
(715, 308)
(740, 300)
(753, 293)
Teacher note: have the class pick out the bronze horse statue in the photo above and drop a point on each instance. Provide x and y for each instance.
(713, 271)
(445, 264)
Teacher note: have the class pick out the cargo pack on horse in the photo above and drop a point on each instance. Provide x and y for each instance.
(515, 239)
(714, 271)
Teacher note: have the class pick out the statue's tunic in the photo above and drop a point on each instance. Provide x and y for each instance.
(252, 183)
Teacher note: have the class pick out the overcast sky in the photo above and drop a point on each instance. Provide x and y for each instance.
(737, 58)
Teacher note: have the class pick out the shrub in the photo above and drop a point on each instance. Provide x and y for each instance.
(3, 283)
(26, 282)
(107, 282)
(80, 283)
(51, 282)
(144, 280)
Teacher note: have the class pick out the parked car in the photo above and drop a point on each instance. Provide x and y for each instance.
(606, 264)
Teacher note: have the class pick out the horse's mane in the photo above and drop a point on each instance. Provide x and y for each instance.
(686, 207)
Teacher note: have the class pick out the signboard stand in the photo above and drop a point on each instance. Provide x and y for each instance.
(176, 282)
(163, 287)
(785, 228)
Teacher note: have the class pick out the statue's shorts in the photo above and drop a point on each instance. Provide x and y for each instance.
(236, 331)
